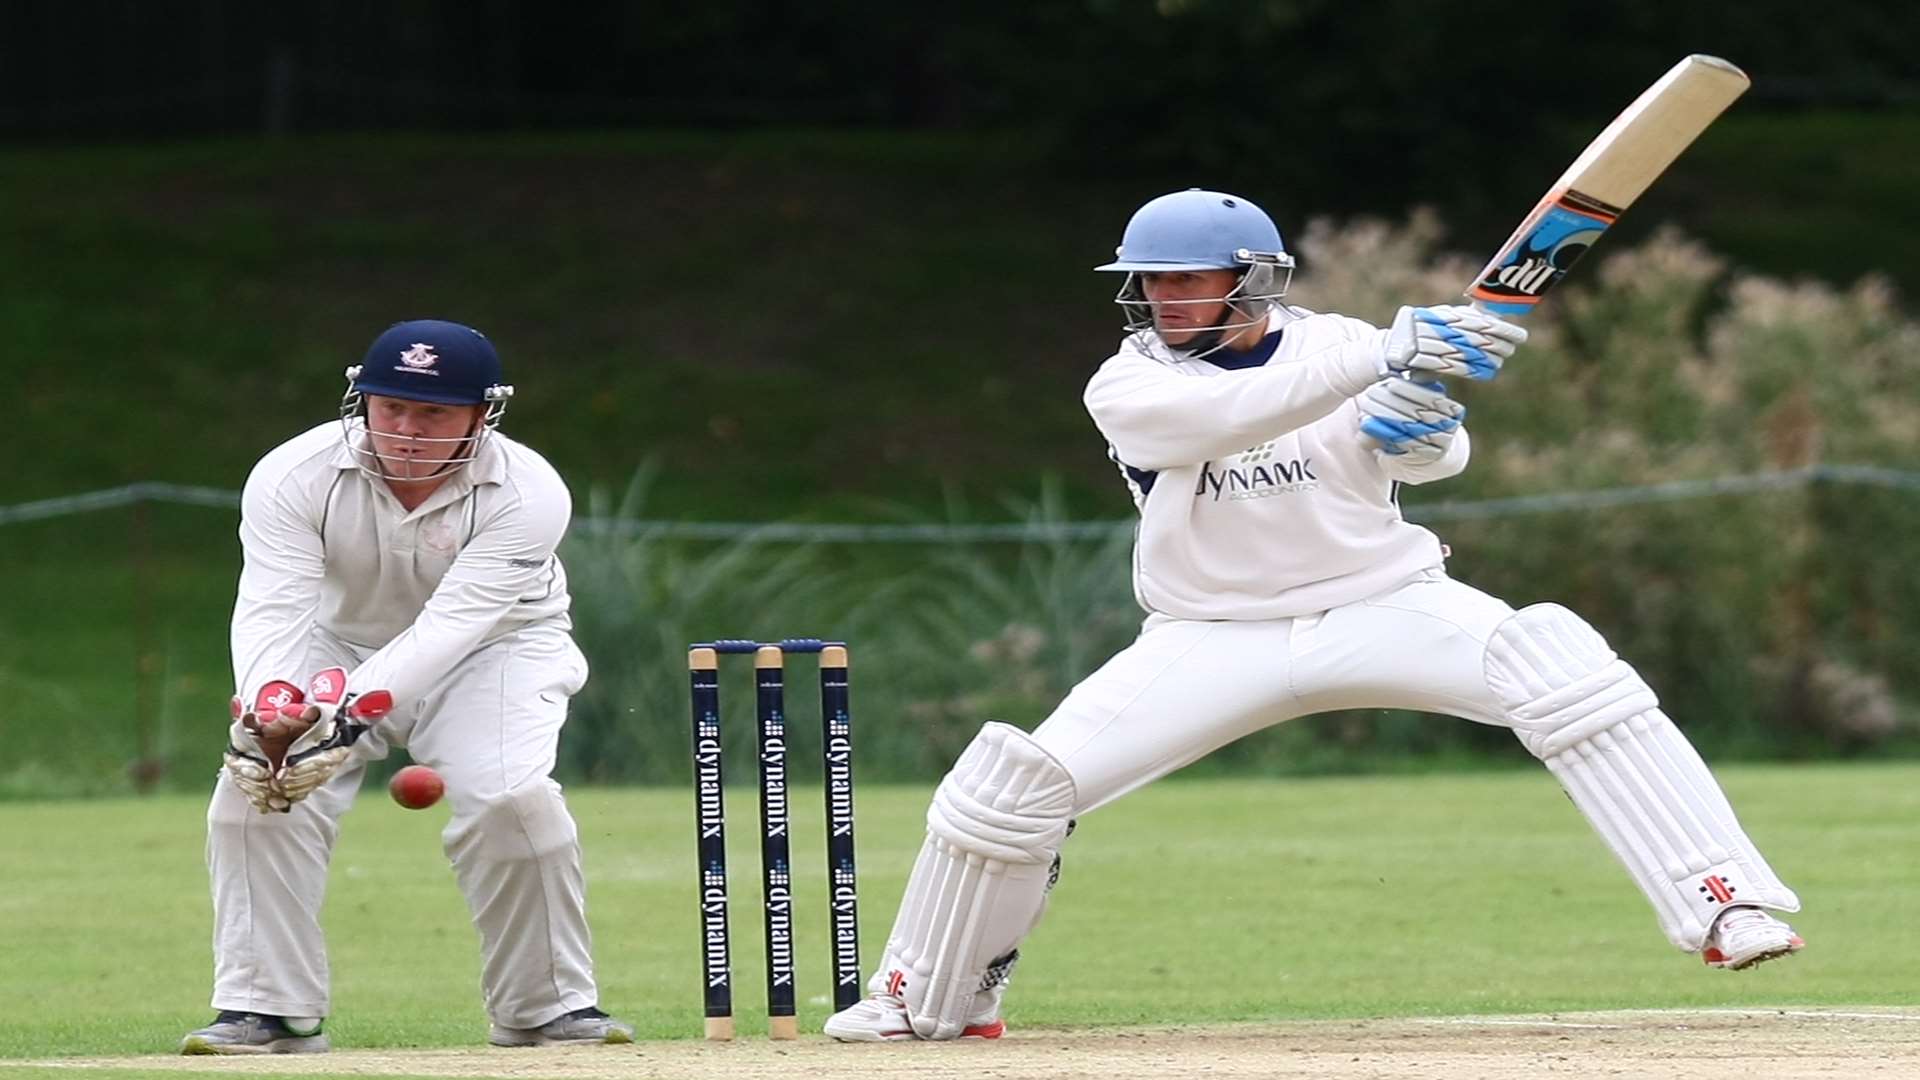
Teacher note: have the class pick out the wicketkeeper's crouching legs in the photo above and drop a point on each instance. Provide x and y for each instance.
(269, 875)
(1598, 727)
(979, 886)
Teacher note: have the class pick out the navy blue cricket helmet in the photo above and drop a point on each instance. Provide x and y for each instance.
(431, 360)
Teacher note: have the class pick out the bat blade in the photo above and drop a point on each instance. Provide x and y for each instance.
(1604, 180)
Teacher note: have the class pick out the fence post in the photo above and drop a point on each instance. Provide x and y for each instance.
(277, 109)
(147, 769)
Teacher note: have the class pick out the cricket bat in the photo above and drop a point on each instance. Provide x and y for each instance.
(1604, 180)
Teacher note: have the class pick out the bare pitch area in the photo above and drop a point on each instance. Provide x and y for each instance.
(1781, 1044)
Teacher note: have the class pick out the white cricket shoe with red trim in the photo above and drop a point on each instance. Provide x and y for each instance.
(883, 1018)
(1745, 936)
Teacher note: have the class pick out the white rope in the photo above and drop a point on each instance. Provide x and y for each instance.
(1670, 491)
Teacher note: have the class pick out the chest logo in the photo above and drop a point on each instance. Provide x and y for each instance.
(438, 538)
(1256, 481)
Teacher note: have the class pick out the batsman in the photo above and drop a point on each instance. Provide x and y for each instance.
(400, 588)
(1262, 444)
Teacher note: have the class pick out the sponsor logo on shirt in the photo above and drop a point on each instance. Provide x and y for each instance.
(1263, 480)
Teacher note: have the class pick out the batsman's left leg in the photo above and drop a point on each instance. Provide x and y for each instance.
(981, 882)
(992, 833)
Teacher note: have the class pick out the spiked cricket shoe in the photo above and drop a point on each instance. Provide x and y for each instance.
(1745, 936)
(883, 1018)
(235, 1032)
(588, 1025)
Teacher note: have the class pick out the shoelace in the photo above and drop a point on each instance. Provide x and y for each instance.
(1739, 919)
(271, 1023)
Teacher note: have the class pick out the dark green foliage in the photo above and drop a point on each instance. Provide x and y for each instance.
(850, 327)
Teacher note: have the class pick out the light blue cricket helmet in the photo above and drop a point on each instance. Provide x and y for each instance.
(1198, 230)
(1203, 230)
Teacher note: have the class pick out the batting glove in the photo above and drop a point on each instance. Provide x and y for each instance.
(1449, 340)
(1412, 421)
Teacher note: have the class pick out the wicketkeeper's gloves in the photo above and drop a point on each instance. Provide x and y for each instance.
(290, 743)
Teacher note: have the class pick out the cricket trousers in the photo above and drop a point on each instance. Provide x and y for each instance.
(491, 728)
(1185, 688)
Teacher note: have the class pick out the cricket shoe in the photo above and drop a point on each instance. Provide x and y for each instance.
(883, 1018)
(588, 1025)
(1745, 936)
(251, 1033)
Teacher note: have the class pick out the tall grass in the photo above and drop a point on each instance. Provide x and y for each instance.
(941, 636)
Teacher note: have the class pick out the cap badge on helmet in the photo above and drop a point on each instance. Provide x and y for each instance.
(419, 358)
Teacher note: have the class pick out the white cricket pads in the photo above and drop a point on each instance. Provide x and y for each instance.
(980, 882)
(1599, 728)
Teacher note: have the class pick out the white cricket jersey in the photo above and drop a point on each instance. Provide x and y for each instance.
(326, 545)
(1258, 498)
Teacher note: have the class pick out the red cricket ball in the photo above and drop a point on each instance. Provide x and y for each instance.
(416, 787)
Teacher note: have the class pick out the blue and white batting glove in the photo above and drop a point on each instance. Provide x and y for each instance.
(1449, 340)
(1410, 421)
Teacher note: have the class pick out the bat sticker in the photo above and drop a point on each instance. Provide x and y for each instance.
(1542, 253)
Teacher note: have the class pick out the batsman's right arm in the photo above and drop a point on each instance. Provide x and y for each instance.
(1158, 417)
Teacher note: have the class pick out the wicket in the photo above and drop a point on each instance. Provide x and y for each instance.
(836, 751)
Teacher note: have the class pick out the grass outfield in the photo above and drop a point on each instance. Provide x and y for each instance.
(1194, 902)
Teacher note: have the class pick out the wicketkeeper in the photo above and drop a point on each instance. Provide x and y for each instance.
(1262, 444)
(400, 588)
